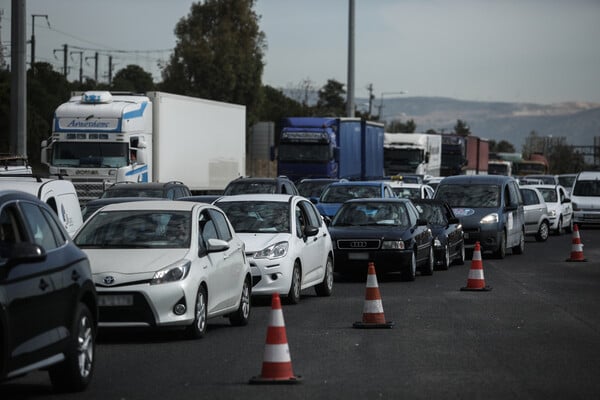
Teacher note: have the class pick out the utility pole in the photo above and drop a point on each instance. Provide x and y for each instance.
(65, 59)
(33, 38)
(110, 68)
(95, 66)
(350, 93)
(371, 97)
(18, 80)
(80, 52)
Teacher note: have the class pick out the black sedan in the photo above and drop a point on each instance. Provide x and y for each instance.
(448, 243)
(387, 232)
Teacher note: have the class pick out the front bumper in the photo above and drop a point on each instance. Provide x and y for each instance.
(271, 276)
(488, 237)
(357, 262)
(586, 217)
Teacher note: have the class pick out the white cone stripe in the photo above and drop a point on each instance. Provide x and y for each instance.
(277, 353)
(476, 274)
(372, 307)
(476, 256)
(276, 318)
(372, 280)
(577, 247)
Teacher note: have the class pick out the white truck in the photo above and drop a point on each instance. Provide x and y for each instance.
(99, 138)
(412, 153)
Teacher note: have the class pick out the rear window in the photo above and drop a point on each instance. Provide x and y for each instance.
(474, 196)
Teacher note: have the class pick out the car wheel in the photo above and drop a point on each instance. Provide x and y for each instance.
(409, 274)
(543, 232)
(197, 329)
(293, 296)
(325, 288)
(461, 260)
(569, 228)
(428, 268)
(242, 315)
(446, 261)
(520, 248)
(501, 251)
(559, 228)
(75, 372)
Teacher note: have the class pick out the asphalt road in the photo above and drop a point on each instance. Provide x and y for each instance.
(535, 335)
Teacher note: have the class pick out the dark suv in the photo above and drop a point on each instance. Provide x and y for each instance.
(246, 185)
(165, 190)
(48, 306)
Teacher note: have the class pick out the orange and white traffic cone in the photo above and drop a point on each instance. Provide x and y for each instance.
(576, 246)
(373, 316)
(475, 281)
(277, 364)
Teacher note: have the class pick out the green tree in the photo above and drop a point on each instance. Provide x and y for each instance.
(501, 147)
(397, 126)
(219, 54)
(331, 99)
(562, 159)
(132, 78)
(462, 128)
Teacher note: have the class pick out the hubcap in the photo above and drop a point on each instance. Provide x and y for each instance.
(246, 300)
(329, 272)
(85, 347)
(200, 312)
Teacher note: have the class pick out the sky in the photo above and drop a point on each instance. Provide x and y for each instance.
(539, 51)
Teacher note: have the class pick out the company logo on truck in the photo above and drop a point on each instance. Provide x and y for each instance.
(87, 124)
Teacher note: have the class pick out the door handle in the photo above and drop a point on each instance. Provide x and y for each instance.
(75, 275)
(43, 285)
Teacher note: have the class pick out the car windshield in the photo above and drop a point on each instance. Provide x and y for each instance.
(407, 193)
(133, 192)
(469, 195)
(250, 187)
(257, 216)
(566, 181)
(549, 195)
(339, 194)
(372, 213)
(136, 229)
(586, 188)
(434, 214)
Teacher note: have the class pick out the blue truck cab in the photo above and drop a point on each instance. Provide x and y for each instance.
(315, 147)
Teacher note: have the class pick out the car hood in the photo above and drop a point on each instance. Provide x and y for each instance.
(328, 209)
(257, 241)
(470, 217)
(589, 203)
(132, 261)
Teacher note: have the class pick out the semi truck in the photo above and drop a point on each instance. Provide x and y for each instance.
(478, 151)
(412, 153)
(99, 138)
(464, 155)
(323, 147)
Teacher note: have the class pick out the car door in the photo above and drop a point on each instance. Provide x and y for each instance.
(455, 235)
(532, 209)
(515, 215)
(565, 205)
(315, 247)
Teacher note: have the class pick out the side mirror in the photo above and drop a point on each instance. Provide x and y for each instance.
(566, 200)
(216, 245)
(24, 252)
(311, 230)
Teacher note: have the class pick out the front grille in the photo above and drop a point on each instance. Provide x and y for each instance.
(140, 311)
(358, 244)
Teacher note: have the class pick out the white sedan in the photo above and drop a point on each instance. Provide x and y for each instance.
(166, 264)
(287, 242)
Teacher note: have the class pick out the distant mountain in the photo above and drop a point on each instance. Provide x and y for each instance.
(578, 122)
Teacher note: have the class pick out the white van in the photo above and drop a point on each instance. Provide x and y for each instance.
(585, 197)
(59, 194)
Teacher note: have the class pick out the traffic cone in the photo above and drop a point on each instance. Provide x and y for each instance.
(373, 316)
(576, 246)
(475, 281)
(277, 365)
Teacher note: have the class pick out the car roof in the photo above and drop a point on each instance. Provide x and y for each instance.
(481, 179)
(359, 183)
(258, 197)
(396, 184)
(113, 200)
(588, 175)
(145, 185)
(379, 200)
(9, 194)
(152, 205)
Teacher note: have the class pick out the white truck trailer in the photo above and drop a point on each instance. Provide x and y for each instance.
(412, 153)
(99, 138)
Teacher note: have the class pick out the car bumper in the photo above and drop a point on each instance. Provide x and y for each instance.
(351, 262)
(271, 276)
(488, 239)
(586, 217)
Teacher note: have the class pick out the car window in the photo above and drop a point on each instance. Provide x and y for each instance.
(257, 216)
(549, 195)
(586, 188)
(39, 226)
(514, 198)
(221, 225)
(314, 218)
(529, 197)
(11, 230)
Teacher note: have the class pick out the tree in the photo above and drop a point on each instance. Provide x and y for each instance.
(501, 147)
(397, 126)
(564, 160)
(462, 128)
(133, 78)
(219, 54)
(331, 99)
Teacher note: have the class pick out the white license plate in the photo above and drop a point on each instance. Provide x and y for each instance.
(115, 300)
(358, 256)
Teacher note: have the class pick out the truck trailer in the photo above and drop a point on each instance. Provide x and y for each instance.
(412, 153)
(99, 138)
(478, 151)
(321, 147)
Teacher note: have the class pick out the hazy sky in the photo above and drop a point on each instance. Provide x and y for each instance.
(543, 51)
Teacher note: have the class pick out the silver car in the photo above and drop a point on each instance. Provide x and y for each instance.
(537, 222)
(166, 264)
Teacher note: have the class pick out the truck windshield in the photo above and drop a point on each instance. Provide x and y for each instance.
(412, 157)
(90, 154)
(497, 169)
(304, 152)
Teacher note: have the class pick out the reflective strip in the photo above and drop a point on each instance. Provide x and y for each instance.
(276, 318)
(372, 306)
(277, 353)
(371, 280)
(475, 274)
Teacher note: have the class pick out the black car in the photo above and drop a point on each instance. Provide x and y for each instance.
(311, 188)
(48, 307)
(164, 190)
(448, 242)
(94, 205)
(249, 185)
(385, 231)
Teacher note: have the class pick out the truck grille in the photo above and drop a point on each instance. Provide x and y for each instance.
(88, 189)
(358, 244)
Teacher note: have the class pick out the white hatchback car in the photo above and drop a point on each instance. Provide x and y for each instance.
(287, 242)
(166, 264)
(560, 209)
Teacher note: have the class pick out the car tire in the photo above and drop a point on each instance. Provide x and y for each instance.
(293, 296)
(325, 288)
(520, 248)
(569, 228)
(197, 329)
(461, 259)
(242, 315)
(543, 232)
(427, 269)
(446, 261)
(409, 273)
(75, 372)
(559, 228)
(500, 253)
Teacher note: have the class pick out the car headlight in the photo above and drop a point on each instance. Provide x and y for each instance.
(437, 242)
(552, 213)
(490, 219)
(392, 245)
(276, 250)
(174, 272)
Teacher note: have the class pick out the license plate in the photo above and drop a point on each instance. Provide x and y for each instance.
(358, 256)
(115, 300)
